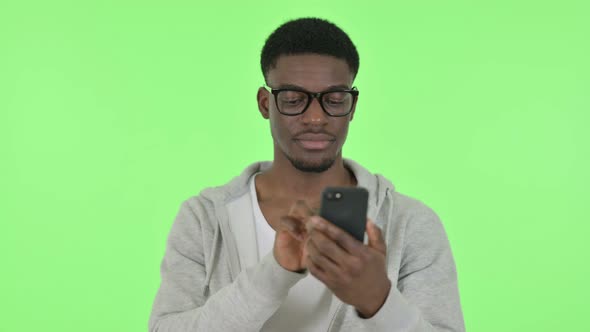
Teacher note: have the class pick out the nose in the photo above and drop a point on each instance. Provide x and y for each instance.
(315, 115)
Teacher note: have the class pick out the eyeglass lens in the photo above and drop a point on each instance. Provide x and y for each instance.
(294, 102)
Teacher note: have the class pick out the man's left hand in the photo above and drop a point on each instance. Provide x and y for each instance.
(355, 272)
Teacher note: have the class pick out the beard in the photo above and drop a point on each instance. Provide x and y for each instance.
(312, 166)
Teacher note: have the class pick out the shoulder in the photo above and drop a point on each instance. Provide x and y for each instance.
(412, 221)
(409, 207)
(211, 199)
(201, 209)
(196, 215)
(423, 232)
(208, 207)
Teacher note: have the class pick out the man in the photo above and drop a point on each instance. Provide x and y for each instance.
(252, 256)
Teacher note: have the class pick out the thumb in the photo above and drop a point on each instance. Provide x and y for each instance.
(376, 240)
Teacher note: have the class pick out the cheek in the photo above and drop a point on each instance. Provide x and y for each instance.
(343, 129)
(279, 128)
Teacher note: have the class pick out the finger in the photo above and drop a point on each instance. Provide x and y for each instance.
(317, 271)
(293, 226)
(375, 235)
(337, 234)
(316, 256)
(328, 247)
(308, 224)
(300, 210)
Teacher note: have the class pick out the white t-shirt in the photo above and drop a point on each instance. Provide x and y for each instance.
(310, 305)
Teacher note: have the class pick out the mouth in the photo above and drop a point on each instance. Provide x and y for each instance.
(315, 145)
(314, 142)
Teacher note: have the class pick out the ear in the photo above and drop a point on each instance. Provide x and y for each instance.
(353, 108)
(263, 98)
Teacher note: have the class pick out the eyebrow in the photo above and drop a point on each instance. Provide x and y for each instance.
(330, 88)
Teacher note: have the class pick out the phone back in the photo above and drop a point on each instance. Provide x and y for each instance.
(346, 207)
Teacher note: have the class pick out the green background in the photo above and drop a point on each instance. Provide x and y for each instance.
(114, 112)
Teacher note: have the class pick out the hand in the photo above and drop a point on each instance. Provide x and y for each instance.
(289, 247)
(355, 273)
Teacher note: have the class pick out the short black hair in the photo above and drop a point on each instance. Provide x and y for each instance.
(308, 35)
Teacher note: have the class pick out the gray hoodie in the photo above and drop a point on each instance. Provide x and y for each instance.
(213, 279)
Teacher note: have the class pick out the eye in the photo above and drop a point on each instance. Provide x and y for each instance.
(332, 101)
(335, 98)
(292, 98)
(291, 102)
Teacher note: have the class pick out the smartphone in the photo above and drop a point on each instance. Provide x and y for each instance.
(346, 207)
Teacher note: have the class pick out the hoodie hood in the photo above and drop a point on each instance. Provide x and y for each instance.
(377, 185)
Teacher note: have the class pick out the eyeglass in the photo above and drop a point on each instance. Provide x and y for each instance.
(292, 101)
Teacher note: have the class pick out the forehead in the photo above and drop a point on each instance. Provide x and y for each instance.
(311, 71)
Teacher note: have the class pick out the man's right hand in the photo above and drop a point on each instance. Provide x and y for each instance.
(289, 247)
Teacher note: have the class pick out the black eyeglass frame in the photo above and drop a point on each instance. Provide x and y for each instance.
(311, 95)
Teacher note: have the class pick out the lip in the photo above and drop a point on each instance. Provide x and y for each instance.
(311, 141)
(313, 145)
(314, 137)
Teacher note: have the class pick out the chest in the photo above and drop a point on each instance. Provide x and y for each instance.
(273, 210)
(273, 213)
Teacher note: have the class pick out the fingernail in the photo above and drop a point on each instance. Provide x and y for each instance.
(317, 222)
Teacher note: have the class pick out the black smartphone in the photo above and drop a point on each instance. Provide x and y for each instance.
(346, 207)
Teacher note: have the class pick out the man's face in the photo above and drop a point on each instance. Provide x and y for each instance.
(311, 141)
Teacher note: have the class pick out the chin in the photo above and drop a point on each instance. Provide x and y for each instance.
(312, 166)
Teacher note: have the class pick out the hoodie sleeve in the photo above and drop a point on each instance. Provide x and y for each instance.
(243, 305)
(426, 298)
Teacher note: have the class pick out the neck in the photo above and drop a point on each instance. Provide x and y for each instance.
(283, 180)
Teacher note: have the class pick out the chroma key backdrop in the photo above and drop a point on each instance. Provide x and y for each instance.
(114, 112)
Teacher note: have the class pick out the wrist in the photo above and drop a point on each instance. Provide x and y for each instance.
(369, 310)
